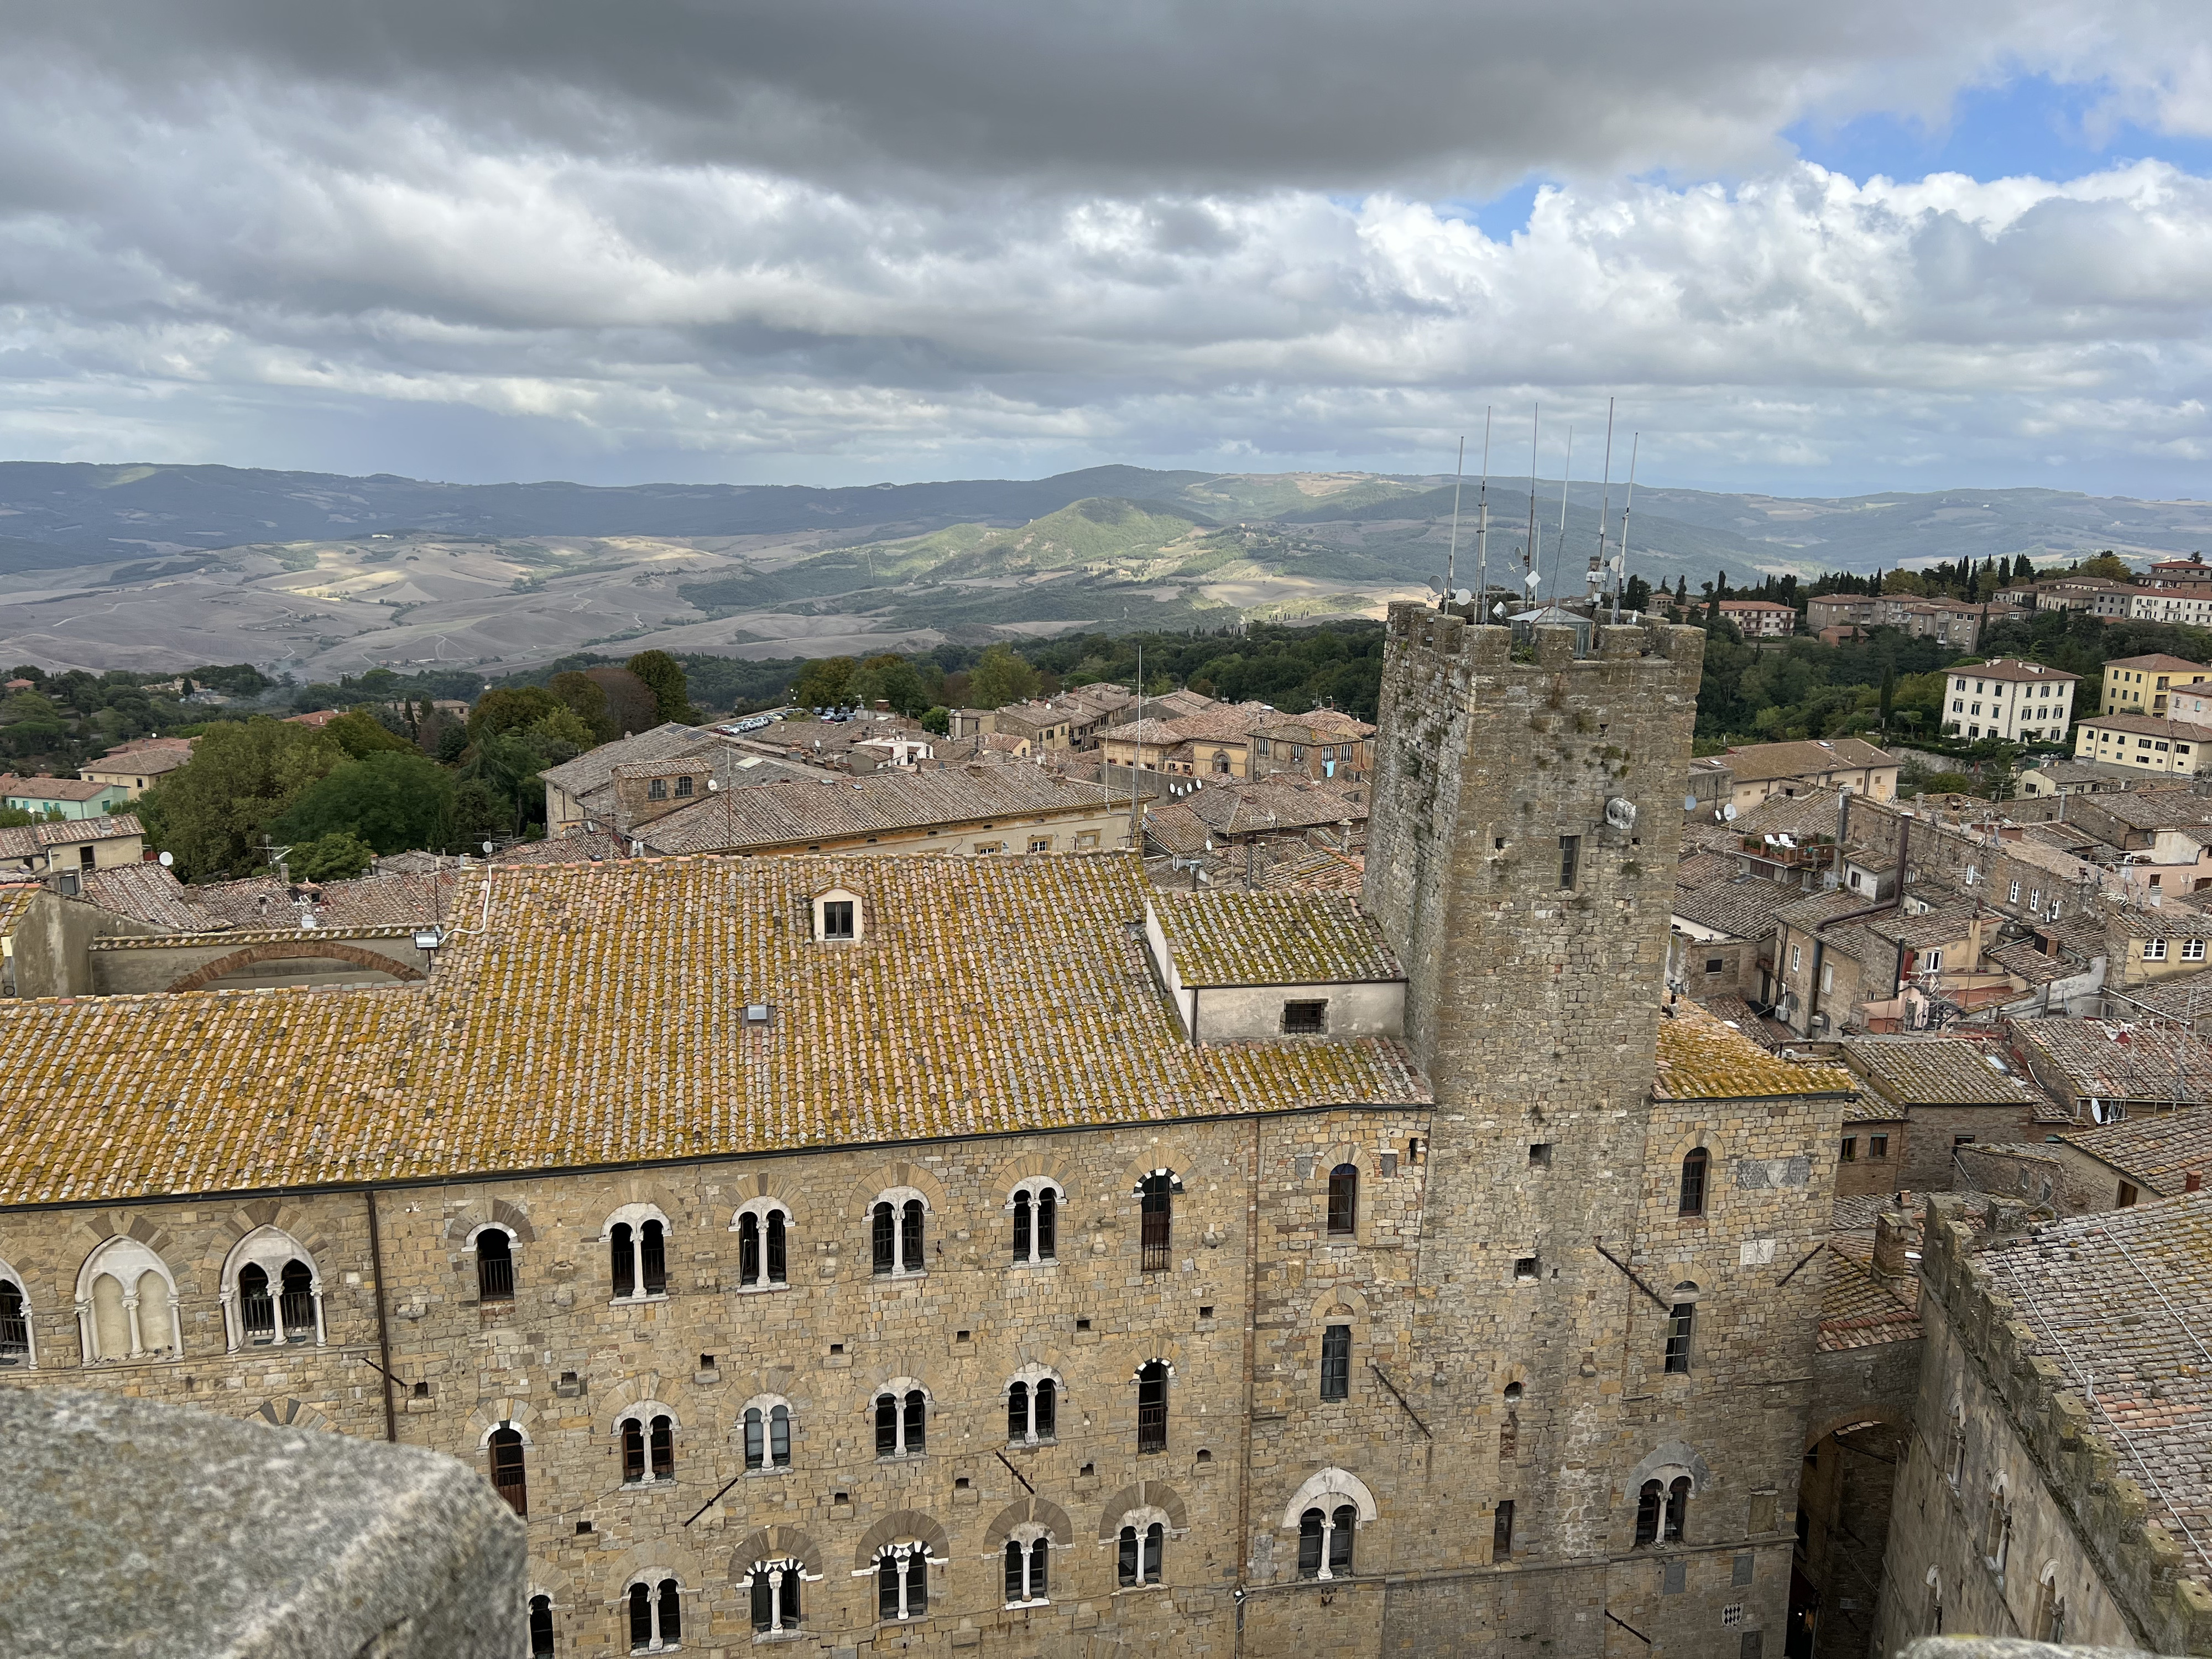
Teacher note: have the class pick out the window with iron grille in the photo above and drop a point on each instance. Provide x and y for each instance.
(1156, 1215)
(1501, 1530)
(1694, 1168)
(507, 1476)
(495, 1266)
(1679, 1320)
(1571, 859)
(14, 1324)
(1153, 1407)
(1306, 1018)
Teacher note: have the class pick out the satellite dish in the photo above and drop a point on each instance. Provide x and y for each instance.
(1463, 595)
(487, 846)
(1531, 581)
(1689, 803)
(167, 859)
(1728, 812)
(1498, 609)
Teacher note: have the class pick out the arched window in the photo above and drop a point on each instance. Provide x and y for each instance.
(637, 1252)
(656, 1615)
(1678, 1509)
(1325, 1541)
(1692, 1200)
(126, 1303)
(2050, 1608)
(767, 1434)
(1681, 1319)
(1035, 1204)
(1027, 1562)
(541, 1622)
(1934, 1618)
(776, 1588)
(1955, 1463)
(495, 1266)
(1336, 1361)
(648, 1439)
(507, 1477)
(270, 1292)
(1152, 1406)
(15, 1322)
(1140, 1554)
(1156, 1219)
(1996, 1529)
(902, 1421)
(763, 1230)
(902, 1581)
(1509, 1432)
(1343, 1201)
(1650, 1502)
(895, 1233)
(1032, 1409)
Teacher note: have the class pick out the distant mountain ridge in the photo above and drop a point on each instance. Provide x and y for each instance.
(64, 514)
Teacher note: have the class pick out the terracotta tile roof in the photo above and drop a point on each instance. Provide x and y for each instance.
(2025, 961)
(788, 813)
(1243, 809)
(148, 893)
(1732, 1010)
(1743, 907)
(2154, 809)
(16, 903)
(2113, 1058)
(2149, 725)
(398, 899)
(41, 788)
(2177, 996)
(602, 1021)
(1860, 1309)
(2159, 662)
(1704, 869)
(1273, 939)
(1758, 761)
(578, 847)
(2011, 668)
(2115, 1302)
(1937, 1071)
(1814, 811)
(140, 762)
(1702, 1058)
(2157, 1150)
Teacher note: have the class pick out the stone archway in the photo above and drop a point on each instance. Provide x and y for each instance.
(281, 949)
(1844, 1497)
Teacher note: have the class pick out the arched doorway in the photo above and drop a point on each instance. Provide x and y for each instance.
(1844, 1495)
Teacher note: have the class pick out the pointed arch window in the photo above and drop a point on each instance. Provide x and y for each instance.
(270, 1292)
(126, 1303)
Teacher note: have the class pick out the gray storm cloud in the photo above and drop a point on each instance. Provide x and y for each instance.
(851, 241)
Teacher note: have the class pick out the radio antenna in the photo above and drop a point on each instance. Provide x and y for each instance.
(1482, 527)
(1528, 553)
(1452, 553)
(1604, 511)
(1620, 558)
(1559, 541)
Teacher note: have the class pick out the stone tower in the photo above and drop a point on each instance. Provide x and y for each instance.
(1521, 858)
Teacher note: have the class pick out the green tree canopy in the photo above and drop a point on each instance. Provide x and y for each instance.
(504, 708)
(1000, 678)
(893, 679)
(586, 699)
(631, 703)
(394, 801)
(211, 812)
(825, 683)
(338, 856)
(672, 695)
(361, 733)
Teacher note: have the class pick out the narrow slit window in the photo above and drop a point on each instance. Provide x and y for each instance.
(1571, 859)
(1343, 1201)
(1336, 1361)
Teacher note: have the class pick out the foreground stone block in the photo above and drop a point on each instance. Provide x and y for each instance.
(2009, 1647)
(140, 1529)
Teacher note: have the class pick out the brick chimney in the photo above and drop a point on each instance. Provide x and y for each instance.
(1893, 1233)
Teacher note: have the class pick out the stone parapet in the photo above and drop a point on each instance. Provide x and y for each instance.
(174, 1532)
(2139, 1558)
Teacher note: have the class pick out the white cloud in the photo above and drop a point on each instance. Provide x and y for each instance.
(274, 235)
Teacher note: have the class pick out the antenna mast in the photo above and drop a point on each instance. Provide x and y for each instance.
(1604, 511)
(1620, 558)
(1482, 527)
(1451, 553)
(1559, 543)
(1528, 553)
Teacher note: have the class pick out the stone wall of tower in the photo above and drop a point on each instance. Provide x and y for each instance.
(1533, 1005)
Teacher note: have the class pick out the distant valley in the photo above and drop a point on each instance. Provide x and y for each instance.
(161, 568)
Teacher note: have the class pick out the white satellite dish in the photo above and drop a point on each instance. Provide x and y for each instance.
(167, 859)
(1463, 595)
(1728, 812)
(487, 846)
(1689, 803)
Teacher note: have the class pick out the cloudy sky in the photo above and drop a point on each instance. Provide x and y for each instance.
(1811, 247)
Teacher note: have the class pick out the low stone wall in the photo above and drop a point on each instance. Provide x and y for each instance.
(171, 1532)
(248, 960)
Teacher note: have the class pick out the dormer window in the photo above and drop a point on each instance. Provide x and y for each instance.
(683, 788)
(656, 789)
(837, 915)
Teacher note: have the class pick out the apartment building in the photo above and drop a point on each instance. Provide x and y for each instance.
(2018, 701)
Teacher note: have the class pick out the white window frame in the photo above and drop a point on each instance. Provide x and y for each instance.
(636, 1216)
(767, 1405)
(761, 1209)
(901, 1550)
(898, 1198)
(653, 1578)
(1029, 1535)
(1029, 1376)
(2154, 950)
(112, 1259)
(899, 1387)
(642, 1412)
(1034, 1185)
(30, 1359)
(271, 1250)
